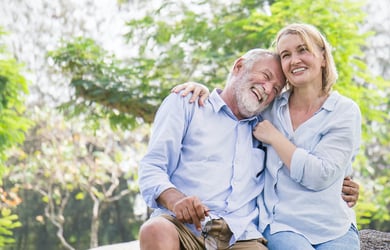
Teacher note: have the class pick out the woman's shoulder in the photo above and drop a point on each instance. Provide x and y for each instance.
(342, 103)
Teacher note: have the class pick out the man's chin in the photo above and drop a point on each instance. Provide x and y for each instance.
(259, 110)
(251, 108)
(253, 113)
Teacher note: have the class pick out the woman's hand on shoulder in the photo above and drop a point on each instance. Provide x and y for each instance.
(197, 90)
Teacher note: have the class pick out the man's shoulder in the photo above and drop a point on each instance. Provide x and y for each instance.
(175, 101)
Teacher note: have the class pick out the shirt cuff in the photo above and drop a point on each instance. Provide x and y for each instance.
(152, 202)
(298, 164)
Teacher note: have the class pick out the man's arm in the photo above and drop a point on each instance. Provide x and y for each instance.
(350, 191)
(163, 150)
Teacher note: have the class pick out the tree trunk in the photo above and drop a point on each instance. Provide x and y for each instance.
(94, 242)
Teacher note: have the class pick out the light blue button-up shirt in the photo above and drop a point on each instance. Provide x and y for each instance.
(307, 199)
(206, 152)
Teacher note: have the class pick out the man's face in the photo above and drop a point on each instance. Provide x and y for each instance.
(256, 88)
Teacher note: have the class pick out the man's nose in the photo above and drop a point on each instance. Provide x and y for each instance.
(268, 87)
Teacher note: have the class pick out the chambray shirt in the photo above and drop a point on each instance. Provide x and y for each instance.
(307, 199)
(206, 152)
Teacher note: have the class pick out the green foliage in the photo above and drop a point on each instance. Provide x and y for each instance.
(374, 204)
(383, 199)
(67, 169)
(105, 88)
(193, 45)
(194, 48)
(8, 221)
(13, 87)
(13, 125)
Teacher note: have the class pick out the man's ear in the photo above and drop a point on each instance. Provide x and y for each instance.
(238, 66)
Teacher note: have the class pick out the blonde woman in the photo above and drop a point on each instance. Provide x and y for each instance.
(312, 135)
(313, 138)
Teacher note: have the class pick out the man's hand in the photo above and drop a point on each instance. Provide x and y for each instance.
(188, 209)
(350, 191)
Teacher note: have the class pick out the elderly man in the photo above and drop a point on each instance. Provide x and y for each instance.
(201, 174)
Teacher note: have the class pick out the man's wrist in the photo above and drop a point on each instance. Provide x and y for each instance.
(169, 197)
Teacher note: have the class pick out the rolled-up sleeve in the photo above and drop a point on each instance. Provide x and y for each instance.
(163, 149)
(317, 165)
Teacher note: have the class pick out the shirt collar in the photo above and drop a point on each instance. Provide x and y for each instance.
(328, 105)
(331, 101)
(216, 101)
(218, 104)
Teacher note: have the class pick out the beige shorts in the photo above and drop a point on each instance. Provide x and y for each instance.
(215, 235)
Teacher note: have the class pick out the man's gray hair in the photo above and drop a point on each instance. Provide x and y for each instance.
(253, 56)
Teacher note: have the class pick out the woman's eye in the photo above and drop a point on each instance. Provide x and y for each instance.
(303, 49)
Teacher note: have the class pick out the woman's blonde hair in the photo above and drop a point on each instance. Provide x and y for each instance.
(313, 37)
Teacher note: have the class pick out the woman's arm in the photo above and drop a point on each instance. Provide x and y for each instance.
(267, 133)
(197, 89)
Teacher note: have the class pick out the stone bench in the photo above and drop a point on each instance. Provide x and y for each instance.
(369, 240)
(132, 245)
(374, 240)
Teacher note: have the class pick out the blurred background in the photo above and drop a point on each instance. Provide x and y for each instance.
(80, 81)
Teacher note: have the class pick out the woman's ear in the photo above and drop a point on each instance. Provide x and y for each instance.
(323, 63)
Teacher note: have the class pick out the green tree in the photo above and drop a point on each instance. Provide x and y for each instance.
(13, 125)
(374, 206)
(72, 166)
(177, 43)
(13, 88)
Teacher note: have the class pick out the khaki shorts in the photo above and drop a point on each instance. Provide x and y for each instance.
(215, 235)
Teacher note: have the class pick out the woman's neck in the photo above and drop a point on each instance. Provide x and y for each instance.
(304, 104)
(304, 98)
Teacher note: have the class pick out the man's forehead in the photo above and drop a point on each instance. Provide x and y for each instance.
(268, 64)
(266, 61)
(272, 66)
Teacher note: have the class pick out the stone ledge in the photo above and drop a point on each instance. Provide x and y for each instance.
(374, 240)
(132, 245)
(369, 239)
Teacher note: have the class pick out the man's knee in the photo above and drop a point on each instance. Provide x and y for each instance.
(158, 229)
(151, 228)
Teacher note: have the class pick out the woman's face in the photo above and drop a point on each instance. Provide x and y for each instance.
(301, 66)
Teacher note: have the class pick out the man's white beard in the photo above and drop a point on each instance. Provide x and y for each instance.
(247, 105)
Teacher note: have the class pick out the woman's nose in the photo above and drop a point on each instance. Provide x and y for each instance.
(295, 58)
